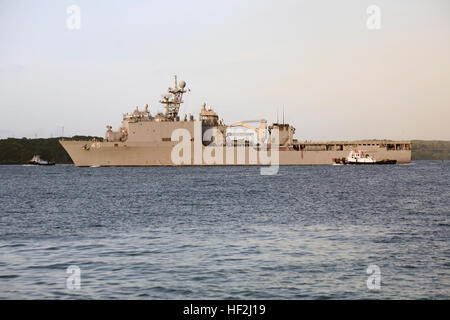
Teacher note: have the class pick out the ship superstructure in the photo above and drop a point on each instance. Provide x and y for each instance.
(146, 140)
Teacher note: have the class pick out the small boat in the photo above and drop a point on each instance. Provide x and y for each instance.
(37, 161)
(361, 157)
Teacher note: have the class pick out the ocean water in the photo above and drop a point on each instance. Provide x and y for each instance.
(309, 232)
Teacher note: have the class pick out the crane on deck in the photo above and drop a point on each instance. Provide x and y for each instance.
(260, 131)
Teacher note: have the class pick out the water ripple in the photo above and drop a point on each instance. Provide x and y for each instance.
(227, 233)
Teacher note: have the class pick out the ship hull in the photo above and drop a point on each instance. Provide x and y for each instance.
(31, 163)
(104, 154)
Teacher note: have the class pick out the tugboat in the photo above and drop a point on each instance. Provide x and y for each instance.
(360, 157)
(37, 161)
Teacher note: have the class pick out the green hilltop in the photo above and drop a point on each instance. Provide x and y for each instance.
(19, 151)
(430, 150)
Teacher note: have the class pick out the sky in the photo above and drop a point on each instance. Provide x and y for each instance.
(334, 77)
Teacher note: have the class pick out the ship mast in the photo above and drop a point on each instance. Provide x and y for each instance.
(174, 99)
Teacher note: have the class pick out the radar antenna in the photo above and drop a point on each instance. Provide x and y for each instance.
(173, 99)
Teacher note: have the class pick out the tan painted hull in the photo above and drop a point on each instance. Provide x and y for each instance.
(89, 153)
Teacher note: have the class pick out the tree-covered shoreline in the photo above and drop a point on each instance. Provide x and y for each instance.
(20, 151)
(430, 150)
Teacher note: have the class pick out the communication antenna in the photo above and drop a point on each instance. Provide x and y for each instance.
(277, 114)
(173, 99)
(283, 113)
